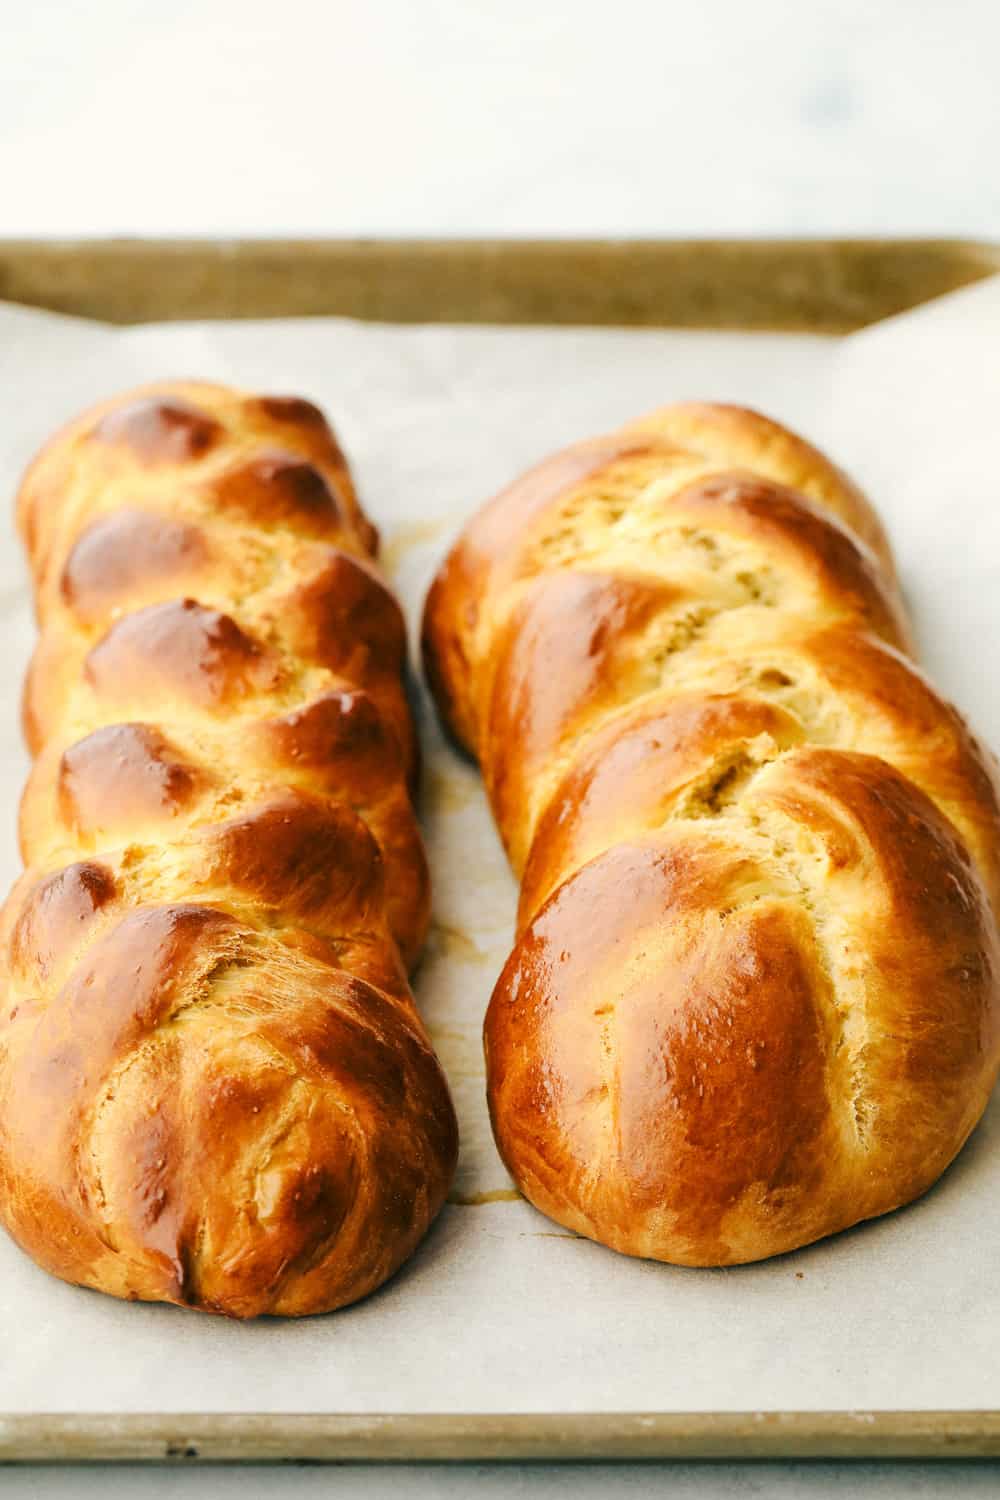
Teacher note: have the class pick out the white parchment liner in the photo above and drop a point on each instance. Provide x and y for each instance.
(501, 1310)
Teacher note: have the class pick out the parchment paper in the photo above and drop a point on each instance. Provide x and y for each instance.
(501, 1310)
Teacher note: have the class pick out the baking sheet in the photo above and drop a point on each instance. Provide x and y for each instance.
(501, 1311)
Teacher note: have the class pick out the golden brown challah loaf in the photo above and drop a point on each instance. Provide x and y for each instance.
(214, 1086)
(754, 994)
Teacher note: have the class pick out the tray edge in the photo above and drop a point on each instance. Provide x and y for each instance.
(789, 285)
(399, 1438)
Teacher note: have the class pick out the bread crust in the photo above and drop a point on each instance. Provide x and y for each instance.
(754, 993)
(215, 1088)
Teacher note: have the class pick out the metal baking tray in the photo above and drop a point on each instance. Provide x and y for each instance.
(802, 286)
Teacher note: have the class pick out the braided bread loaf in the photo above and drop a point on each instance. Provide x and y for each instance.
(214, 1086)
(754, 995)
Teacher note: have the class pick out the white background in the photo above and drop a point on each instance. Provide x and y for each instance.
(499, 116)
(520, 117)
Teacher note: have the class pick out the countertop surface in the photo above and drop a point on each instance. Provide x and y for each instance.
(512, 1482)
(231, 117)
(247, 117)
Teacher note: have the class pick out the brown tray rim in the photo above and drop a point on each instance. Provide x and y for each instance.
(261, 1437)
(792, 284)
